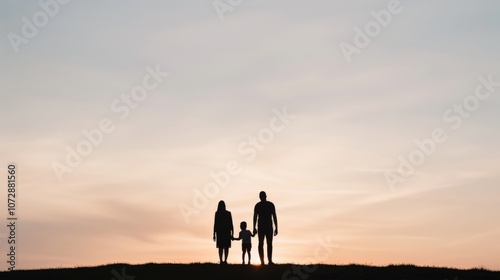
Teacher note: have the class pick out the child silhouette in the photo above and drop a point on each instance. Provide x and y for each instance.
(246, 244)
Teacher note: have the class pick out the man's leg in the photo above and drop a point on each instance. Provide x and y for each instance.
(269, 240)
(261, 246)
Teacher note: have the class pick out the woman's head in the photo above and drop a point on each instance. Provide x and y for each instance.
(221, 206)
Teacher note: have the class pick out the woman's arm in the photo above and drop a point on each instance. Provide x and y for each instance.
(231, 223)
(215, 225)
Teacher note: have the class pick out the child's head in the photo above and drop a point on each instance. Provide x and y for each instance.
(243, 225)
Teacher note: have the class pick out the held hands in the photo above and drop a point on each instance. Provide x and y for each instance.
(275, 232)
(254, 231)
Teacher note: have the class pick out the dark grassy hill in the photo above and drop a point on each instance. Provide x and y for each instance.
(275, 272)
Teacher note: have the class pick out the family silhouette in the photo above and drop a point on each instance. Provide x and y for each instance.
(264, 217)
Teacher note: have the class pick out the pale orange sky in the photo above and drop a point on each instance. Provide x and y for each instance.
(230, 80)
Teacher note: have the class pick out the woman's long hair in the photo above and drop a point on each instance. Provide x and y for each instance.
(221, 207)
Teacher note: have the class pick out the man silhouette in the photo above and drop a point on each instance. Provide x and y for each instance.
(265, 212)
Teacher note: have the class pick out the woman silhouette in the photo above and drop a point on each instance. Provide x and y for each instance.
(223, 231)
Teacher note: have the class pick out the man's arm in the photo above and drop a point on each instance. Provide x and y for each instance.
(275, 218)
(254, 219)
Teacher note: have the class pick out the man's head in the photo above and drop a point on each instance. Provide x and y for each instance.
(262, 196)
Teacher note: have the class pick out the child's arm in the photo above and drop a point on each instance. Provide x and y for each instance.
(237, 238)
(253, 234)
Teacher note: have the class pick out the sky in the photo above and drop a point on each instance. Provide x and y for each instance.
(372, 126)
